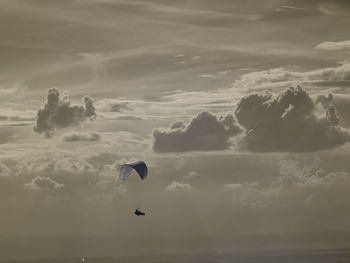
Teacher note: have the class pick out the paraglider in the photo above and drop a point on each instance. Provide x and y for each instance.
(139, 168)
(139, 213)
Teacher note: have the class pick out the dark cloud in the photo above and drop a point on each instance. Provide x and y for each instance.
(342, 104)
(58, 112)
(289, 121)
(205, 132)
(81, 136)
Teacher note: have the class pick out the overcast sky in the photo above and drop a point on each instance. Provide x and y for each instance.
(241, 110)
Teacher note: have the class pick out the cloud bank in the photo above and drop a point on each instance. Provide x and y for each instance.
(58, 112)
(289, 121)
(205, 132)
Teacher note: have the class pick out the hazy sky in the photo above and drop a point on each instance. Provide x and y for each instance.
(180, 85)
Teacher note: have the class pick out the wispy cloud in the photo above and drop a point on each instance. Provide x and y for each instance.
(81, 136)
(294, 7)
(334, 45)
(284, 77)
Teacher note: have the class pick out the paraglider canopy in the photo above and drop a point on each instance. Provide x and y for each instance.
(140, 167)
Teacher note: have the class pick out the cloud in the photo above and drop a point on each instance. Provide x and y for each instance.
(118, 107)
(178, 186)
(282, 77)
(312, 175)
(58, 112)
(289, 121)
(311, 185)
(248, 194)
(171, 105)
(81, 136)
(191, 175)
(342, 103)
(331, 45)
(295, 187)
(112, 105)
(205, 132)
(109, 180)
(279, 12)
(5, 170)
(112, 170)
(12, 116)
(43, 183)
(52, 163)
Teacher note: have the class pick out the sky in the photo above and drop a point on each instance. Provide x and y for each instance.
(241, 110)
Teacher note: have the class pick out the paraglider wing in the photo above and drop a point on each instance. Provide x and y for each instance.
(140, 167)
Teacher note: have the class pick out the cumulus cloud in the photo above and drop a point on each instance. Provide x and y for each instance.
(281, 77)
(205, 132)
(43, 183)
(58, 112)
(178, 186)
(334, 45)
(81, 136)
(289, 121)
